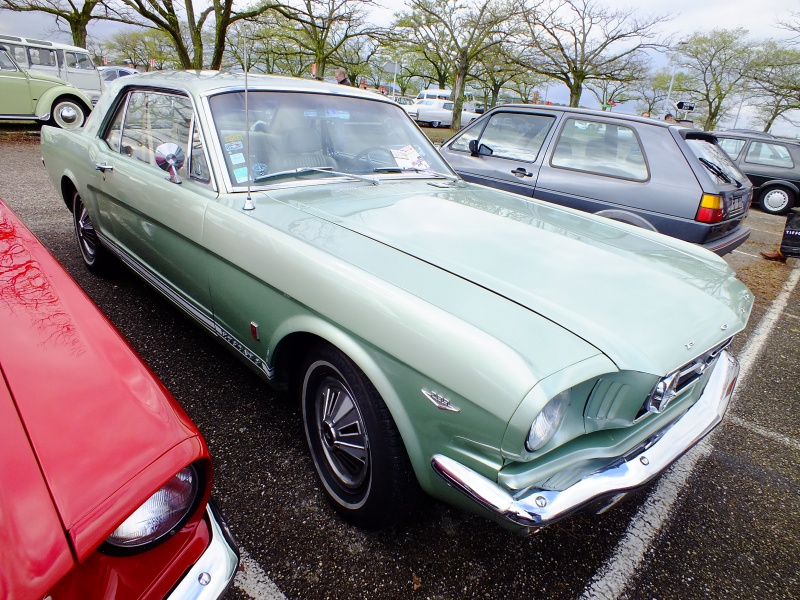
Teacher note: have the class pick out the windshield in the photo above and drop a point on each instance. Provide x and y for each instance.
(324, 135)
(716, 161)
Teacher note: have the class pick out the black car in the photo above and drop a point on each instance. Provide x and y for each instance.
(772, 164)
(666, 178)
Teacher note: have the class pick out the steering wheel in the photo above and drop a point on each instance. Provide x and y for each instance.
(364, 155)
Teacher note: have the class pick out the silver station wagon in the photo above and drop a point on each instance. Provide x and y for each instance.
(513, 357)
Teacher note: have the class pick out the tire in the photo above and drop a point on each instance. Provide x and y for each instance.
(435, 124)
(96, 258)
(777, 200)
(64, 121)
(356, 448)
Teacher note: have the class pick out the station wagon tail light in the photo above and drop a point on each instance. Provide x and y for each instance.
(164, 513)
(547, 422)
(712, 209)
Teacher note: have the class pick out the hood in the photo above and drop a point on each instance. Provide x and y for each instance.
(639, 297)
(99, 422)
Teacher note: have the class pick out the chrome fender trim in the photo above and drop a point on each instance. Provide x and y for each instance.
(533, 508)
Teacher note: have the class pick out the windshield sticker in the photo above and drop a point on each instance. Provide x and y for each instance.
(240, 174)
(259, 170)
(408, 158)
(237, 158)
(233, 146)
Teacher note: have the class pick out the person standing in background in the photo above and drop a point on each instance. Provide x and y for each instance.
(341, 76)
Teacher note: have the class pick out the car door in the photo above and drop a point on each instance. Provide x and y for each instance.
(15, 93)
(154, 191)
(765, 160)
(503, 150)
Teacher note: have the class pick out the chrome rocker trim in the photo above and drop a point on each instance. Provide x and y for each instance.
(534, 508)
(214, 571)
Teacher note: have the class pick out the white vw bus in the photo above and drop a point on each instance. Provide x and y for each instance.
(70, 63)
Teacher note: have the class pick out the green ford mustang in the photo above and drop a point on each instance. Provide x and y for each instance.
(516, 358)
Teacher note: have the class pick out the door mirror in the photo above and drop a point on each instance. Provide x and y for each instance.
(478, 149)
(170, 158)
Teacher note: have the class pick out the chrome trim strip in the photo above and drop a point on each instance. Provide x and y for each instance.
(214, 571)
(208, 322)
(534, 508)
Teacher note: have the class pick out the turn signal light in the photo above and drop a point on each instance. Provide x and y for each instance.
(712, 209)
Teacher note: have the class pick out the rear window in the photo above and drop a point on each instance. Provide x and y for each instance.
(715, 160)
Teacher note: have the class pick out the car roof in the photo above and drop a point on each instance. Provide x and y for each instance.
(756, 135)
(583, 111)
(209, 82)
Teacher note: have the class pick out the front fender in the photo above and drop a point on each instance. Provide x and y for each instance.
(45, 104)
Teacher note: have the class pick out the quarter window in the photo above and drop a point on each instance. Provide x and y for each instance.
(769, 154)
(602, 148)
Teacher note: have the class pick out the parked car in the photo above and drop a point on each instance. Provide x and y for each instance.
(105, 479)
(34, 96)
(440, 113)
(69, 63)
(111, 73)
(516, 358)
(772, 164)
(641, 171)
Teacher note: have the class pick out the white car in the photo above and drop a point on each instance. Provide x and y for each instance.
(438, 112)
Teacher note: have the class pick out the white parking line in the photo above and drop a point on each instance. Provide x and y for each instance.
(252, 580)
(766, 433)
(612, 579)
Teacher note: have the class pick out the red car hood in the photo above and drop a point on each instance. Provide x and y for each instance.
(105, 432)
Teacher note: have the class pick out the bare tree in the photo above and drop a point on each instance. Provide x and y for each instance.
(579, 41)
(461, 31)
(77, 15)
(774, 80)
(716, 63)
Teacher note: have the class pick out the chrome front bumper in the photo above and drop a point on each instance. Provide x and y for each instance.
(214, 571)
(533, 509)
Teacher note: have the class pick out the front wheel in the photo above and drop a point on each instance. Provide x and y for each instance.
(68, 113)
(777, 200)
(435, 124)
(96, 258)
(356, 447)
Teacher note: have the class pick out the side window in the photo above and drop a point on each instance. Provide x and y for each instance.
(5, 62)
(19, 54)
(516, 136)
(153, 120)
(731, 146)
(770, 154)
(602, 148)
(84, 61)
(42, 57)
(71, 59)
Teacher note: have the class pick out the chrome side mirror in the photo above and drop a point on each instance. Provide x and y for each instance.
(170, 158)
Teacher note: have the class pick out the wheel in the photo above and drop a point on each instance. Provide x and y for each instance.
(96, 258)
(68, 113)
(435, 124)
(356, 448)
(777, 200)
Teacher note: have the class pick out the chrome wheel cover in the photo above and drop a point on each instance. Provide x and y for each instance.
(775, 200)
(68, 115)
(342, 433)
(87, 236)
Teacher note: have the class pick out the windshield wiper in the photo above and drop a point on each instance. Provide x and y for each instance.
(415, 170)
(302, 170)
(717, 170)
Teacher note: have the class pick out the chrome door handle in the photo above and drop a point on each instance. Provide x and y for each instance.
(521, 172)
(103, 167)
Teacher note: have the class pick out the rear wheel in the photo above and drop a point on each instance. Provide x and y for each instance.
(356, 447)
(68, 113)
(777, 200)
(96, 258)
(435, 124)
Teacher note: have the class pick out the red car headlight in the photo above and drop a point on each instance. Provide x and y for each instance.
(161, 515)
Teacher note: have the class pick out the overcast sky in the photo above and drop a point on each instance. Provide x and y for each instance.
(759, 18)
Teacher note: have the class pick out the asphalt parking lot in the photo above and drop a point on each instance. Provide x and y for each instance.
(723, 523)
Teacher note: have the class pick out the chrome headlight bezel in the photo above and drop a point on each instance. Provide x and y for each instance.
(547, 422)
(159, 517)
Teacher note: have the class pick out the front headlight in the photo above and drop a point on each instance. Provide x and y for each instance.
(546, 422)
(164, 513)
